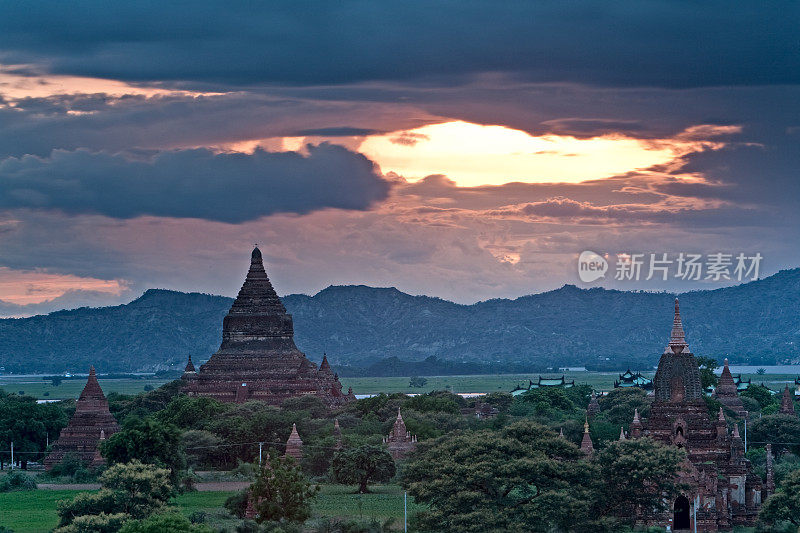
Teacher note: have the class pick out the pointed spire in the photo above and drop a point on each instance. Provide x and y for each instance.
(324, 366)
(189, 367)
(257, 296)
(561, 432)
(787, 402)
(622, 433)
(593, 407)
(677, 340)
(636, 426)
(721, 416)
(92, 390)
(294, 444)
(586, 443)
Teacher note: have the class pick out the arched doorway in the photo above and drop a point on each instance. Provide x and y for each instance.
(681, 516)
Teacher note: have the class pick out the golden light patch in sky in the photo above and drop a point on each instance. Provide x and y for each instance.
(472, 155)
(14, 86)
(25, 287)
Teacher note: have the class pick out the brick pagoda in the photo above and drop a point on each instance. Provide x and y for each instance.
(91, 423)
(727, 393)
(719, 476)
(400, 441)
(258, 359)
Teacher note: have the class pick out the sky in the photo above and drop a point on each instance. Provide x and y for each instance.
(466, 150)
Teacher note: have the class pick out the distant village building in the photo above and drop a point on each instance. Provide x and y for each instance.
(720, 477)
(258, 359)
(91, 423)
(727, 392)
(294, 445)
(544, 383)
(630, 379)
(400, 441)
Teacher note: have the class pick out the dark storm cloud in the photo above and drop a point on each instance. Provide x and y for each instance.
(192, 183)
(627, 43)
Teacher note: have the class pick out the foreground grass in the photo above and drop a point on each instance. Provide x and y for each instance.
(35, 511)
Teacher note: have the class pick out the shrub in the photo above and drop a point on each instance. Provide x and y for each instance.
(17, 480)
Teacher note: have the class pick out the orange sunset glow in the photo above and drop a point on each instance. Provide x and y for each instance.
(32, 287)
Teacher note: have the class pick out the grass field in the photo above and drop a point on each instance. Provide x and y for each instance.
(35, 511)
(459, 384)
(71, 388)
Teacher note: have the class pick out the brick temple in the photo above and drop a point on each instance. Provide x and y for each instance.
(258, 359)
(400, 441)
(91, 423)
(723, 487)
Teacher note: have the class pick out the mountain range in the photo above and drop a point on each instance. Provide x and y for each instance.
(359, 326)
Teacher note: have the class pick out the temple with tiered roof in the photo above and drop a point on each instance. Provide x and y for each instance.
(91, 423)
(723, 490)
(258, 359)
(400, 441)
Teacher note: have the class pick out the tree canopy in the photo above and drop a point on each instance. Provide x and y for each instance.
(362, 465)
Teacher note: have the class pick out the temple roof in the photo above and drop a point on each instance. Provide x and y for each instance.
(257, 296)
(677, 339)
(189, 366)
(92, 390)
(324, 366)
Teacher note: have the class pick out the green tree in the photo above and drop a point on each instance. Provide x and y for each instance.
(761, 394)
(637, 475)
(192, 412)
(149, 441)
(619, 405)
(521, 478)
(417, 382)
(785, 503)
(28, 425)
(164, 523)
(281, 492)
(707, 366)
(782, 431)
(135, 490)
(55, 381)
(362, 465)
(95, 523)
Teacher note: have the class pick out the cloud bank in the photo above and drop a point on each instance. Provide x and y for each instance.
(225, 187)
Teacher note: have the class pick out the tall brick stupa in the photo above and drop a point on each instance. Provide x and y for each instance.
(258, 359)
(91, 423)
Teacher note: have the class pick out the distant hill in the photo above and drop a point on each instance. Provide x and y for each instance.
(360, 326)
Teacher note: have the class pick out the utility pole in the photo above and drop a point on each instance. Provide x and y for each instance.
(745, 433)
(12, 455)
(405, 511)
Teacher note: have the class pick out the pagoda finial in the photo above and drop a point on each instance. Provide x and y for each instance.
(255, 257)
(561, 432)
(622, 433)
(721, 416)
(636, 415)
(677, 340)
(586, 443)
